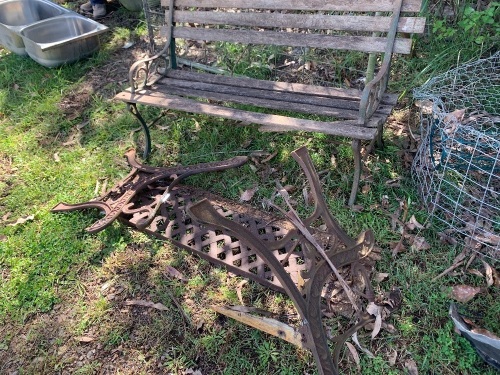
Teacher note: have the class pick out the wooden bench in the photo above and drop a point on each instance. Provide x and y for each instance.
(373, 27)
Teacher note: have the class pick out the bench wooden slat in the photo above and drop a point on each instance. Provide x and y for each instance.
(275, 103)
(353, 43)
(338, 5)
(301, 88)
(302, 21)
(373, 124)
(348, 128)
(262, 94)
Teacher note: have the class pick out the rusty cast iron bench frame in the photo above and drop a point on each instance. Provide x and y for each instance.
(365, 25)
(255, 244)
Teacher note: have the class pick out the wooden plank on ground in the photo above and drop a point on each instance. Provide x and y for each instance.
(271, 326)
(352, 43)
(348, 128)
(332, 5)
(301, 21)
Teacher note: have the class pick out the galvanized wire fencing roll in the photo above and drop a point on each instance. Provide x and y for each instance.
(457, 166)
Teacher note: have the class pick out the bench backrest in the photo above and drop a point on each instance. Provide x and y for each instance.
(361, 25)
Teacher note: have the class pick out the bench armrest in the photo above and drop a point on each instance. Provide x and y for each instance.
(373, 92)
(145, 72)
(375, 89)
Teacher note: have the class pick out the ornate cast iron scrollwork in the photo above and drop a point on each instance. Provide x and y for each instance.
(254, 244)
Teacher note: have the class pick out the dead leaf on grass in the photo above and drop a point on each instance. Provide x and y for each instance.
(270, 157)
(160, 127)
(175, 273)
(411, 366)
(380, 276)
(354, 354)
(3, 238)
(394, 182)
(488, 272)
(366, 189)
(136, 302)
(357, 208)
(22, 220)
(464, 293)
(57, 159)
(485, 332)
(397, 247)
(238, 290)
(420, 243)
(84, 339)
(363, 349)
(413, 223)
(248, 194)
(392, 358)
(377, 326)
(190, 371)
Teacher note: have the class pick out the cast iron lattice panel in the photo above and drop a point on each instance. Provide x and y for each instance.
(173, 223)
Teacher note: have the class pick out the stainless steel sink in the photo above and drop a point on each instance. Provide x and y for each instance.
(16, 14)
(63, 39)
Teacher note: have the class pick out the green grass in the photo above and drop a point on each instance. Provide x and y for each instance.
(52, 272)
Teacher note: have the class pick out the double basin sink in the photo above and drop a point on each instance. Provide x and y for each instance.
(50, 34)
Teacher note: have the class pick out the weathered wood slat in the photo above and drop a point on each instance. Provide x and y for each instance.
(348, 128)
(297, 88)
(340, 113)
(373, 124)
(333, 92)
(337, 5)
(353, 43)
(262, 94)
(301, 21)
(276, 103)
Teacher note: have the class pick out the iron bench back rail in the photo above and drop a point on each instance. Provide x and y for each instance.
(368, 26)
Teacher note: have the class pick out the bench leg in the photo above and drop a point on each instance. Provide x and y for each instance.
(356, 150)
(380, 137)
(132, 108)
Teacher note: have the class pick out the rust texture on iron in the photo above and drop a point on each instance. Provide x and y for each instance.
(252, 243)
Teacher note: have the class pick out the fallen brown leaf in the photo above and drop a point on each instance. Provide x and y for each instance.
(22, 220)
(380, 276)
(413, 223)
(392, 358)
(366, 189)
(135, 302)
(488, 272)
(239, 290)
(485, 332)
(411, 366)
(464, 293)
(397, 247)
(357, 208)
(248, 194)
(393, 183)
(377, 326)
(57, 159)
(175, 273)
(354, 354)
(270, 157)
(84, 339)
(420, 243)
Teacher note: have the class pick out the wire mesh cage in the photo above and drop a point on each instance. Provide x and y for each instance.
(457, 166)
